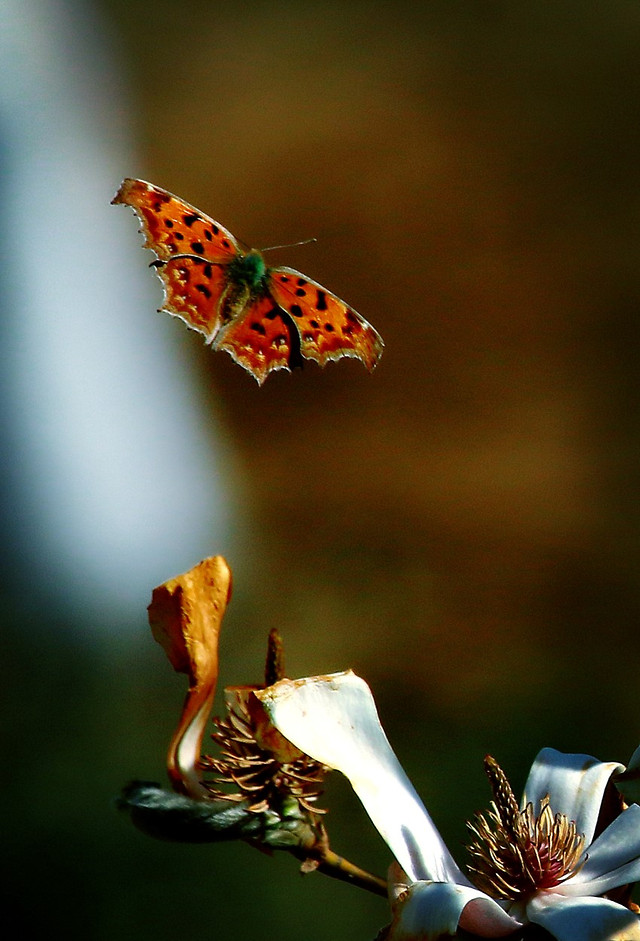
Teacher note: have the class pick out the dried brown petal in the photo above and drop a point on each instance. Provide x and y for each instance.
(185, 615)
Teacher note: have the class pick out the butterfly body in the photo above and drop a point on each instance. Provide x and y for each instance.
(266, 318)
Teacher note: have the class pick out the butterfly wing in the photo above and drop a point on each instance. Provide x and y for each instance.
(264, 326)
(328, 327)
(262, 339)
(172, 227)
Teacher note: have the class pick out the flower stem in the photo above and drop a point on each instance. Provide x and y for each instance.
(318, 856)
(340, 868)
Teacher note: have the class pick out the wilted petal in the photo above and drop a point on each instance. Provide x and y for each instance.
(575, 785)
(430, 910)
(613, 859)
(334, 720)
(185, 615)
(586, 919)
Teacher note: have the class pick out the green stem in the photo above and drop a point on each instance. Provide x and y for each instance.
(315, 853)
(340, 868)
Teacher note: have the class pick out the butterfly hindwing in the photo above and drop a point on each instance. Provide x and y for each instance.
(192, 291)
(260, 339)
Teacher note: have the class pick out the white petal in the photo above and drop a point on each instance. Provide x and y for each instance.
(634, 763)
(586, 919)
(433, 909)
(613, 859)
(334, 719)
(575, 785)
(629, 786)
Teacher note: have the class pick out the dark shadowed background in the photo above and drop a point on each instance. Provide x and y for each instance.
(461, 527)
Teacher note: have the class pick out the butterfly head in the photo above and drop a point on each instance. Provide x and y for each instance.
(248, 270)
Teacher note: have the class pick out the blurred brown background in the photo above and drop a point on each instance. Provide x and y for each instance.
(461, 527)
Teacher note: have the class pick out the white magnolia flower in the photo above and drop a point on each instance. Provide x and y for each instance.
(539, 862)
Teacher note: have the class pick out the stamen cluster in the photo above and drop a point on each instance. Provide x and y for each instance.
(515, 852)
(256, 773)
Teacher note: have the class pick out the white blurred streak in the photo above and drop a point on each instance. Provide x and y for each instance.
(113, 462)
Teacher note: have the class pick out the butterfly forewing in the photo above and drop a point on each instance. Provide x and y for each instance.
(172, 226)
(329, 328)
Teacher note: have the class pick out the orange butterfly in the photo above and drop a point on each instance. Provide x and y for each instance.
(266, 318)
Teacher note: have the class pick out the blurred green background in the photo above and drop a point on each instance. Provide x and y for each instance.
(461, 527)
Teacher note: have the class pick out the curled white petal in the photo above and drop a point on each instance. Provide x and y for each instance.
(634, 763)
(575, 785)
(430, 910)
(334, 719)
(587, 919)
(613, 859)
(629, 785)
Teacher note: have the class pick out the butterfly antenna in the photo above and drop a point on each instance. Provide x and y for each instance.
(161, 262)
(271, 248)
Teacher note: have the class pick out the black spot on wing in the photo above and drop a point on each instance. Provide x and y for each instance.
(190, 218)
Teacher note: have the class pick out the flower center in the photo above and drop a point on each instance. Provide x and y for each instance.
(258, 775)
(515, 853)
